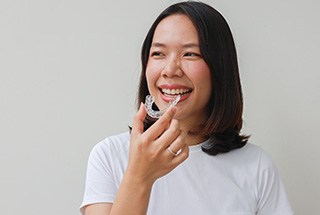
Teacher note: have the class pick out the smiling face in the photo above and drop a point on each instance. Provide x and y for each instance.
(175, 66)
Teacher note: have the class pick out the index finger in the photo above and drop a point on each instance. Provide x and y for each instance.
(161, 124)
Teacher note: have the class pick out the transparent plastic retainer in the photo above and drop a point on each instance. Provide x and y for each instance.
(157, 114)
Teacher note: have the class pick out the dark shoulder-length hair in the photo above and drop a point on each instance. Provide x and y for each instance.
(217, 47)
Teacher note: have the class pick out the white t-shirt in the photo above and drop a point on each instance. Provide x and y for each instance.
(241, 182)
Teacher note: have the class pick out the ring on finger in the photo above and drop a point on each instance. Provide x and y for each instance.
(172, 152)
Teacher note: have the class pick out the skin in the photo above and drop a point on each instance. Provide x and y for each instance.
(174, 60)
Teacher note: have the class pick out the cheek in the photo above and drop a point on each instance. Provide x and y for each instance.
(200, 74)
(152, 76)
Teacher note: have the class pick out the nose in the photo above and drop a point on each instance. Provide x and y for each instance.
(172, 68)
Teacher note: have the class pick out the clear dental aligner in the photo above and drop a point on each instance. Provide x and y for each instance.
(157, 114)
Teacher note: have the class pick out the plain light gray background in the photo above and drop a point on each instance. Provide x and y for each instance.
(68, 78)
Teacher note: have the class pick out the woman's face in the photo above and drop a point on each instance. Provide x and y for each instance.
(175, 66)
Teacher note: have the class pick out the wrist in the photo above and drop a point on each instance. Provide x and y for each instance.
(132, 177)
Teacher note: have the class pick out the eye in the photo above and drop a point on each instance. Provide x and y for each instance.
(156, 54)
(192, 54)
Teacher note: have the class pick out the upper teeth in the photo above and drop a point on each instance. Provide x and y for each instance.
(175, 91)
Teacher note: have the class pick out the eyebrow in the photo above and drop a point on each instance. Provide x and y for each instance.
(187, 45)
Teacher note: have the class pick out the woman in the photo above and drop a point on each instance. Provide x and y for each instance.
(192, 160)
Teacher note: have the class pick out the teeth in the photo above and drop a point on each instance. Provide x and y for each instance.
(175, 91)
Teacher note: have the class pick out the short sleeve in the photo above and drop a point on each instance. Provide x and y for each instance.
(100, 184)
(272, 195)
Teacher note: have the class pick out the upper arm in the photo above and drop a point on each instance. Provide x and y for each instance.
(97, 209)
(272, 195)
(100, 186)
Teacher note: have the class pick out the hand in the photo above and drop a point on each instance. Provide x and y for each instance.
(149, 157)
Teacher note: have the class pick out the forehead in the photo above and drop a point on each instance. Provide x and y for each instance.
(176, 28)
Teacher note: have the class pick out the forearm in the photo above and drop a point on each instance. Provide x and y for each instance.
(132, 197)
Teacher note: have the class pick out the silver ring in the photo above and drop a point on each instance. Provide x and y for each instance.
(172, 152)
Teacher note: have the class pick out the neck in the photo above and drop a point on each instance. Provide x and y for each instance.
(192, 136)
(194, 140)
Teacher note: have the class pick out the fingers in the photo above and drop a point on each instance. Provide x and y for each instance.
(177, 144)
(137, 125)
(170, 135)
(149, 156)
(160, 125)
(182, 156)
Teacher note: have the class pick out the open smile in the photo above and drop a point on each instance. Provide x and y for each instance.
(170, 91)
(173, 92)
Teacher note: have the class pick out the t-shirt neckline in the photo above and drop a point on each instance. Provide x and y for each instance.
(197, 147)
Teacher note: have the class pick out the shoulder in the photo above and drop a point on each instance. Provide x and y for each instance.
(251, 159)
(260, 155)
(267, 175)
(115, 145)
(250, 148)
(106, 165)
(116, 142)
(271, 193)
(250, 153)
